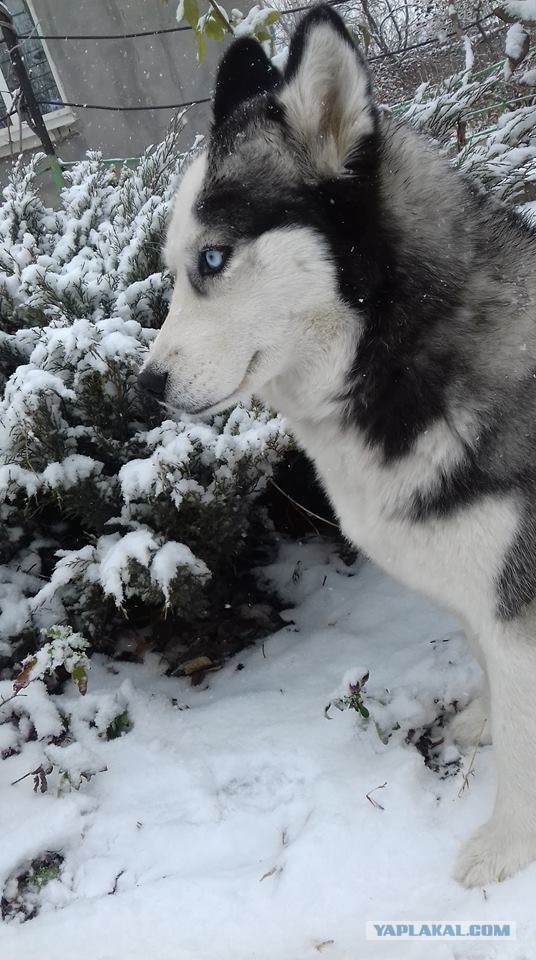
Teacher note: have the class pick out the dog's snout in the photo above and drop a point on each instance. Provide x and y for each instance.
(153, 382)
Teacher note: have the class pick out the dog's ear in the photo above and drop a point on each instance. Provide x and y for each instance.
(244, 72)
(327, 94)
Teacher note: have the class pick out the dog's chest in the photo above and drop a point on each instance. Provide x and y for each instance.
(453, 560)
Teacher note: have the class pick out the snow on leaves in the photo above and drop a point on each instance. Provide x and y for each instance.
(102, 504)
(63, 648)
(461, 112)
(64, 727)
(217, 22)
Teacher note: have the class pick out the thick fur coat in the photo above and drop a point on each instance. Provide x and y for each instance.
(331, 261)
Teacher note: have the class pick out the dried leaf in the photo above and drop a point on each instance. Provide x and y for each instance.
(197, 664)
(40, 778)
(24, 676)
(79, 676)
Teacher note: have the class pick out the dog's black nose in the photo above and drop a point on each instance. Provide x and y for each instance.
(153, 382)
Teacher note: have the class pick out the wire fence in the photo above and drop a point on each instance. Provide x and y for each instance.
(141, 107)
(282, 13)
(162, 31)
(75, 105)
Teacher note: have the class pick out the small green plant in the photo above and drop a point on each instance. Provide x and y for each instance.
(120, 725)
(74, 764)
(62, 648)
(21, 895)
(353, 700)
(45, 871)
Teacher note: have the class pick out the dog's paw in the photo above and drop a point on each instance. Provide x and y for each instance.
(471, 726)
(493, 853)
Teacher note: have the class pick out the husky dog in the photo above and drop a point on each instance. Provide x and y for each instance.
(329, 260)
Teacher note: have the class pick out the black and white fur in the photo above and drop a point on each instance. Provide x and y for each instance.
(329, 260)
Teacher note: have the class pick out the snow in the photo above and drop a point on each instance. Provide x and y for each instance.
(254, 20)
(515, 41)
(279, 60)
(62, 648)
(516, 49)
(529, 78)
(70, 471)
(177, 443)
(524, 9)
(170, 556)
(529, 210)
(14, 606)
(107, 564)
(233, 821)
(469, 53)
(75, 762)
(34, 704)
(115, 553)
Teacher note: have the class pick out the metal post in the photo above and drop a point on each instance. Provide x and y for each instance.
(30, 106)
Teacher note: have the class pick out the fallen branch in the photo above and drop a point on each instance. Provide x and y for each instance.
(301, 507)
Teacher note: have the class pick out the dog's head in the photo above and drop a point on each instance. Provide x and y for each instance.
(259, 220)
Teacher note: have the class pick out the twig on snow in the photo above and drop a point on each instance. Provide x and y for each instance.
(371, 798)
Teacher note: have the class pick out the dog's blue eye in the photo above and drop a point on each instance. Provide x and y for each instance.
(213, 260)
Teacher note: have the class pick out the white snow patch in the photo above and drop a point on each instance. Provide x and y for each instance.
(524, 9)
(244, 821)
(515, 40)
(115, 554)
(169, 558)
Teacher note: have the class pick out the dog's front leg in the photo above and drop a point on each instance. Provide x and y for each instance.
(507, 841)
(472, 725)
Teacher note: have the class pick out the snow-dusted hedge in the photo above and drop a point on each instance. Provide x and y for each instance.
(106, 510)
(488, 125)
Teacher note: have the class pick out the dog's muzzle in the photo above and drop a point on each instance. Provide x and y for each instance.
(153, 382)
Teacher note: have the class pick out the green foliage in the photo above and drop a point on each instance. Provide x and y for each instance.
(361, 34)
(62, 648)
(120, 725)
(350, 701)
(21, 896)
(190, 12)
(113, 514)
(216, 23)
(44, 871)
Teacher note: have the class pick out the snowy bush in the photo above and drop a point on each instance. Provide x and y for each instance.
(33, 715)
(62, 649)
(107, 513)
(487, 123)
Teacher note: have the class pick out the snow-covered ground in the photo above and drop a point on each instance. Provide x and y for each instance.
(232, 822)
